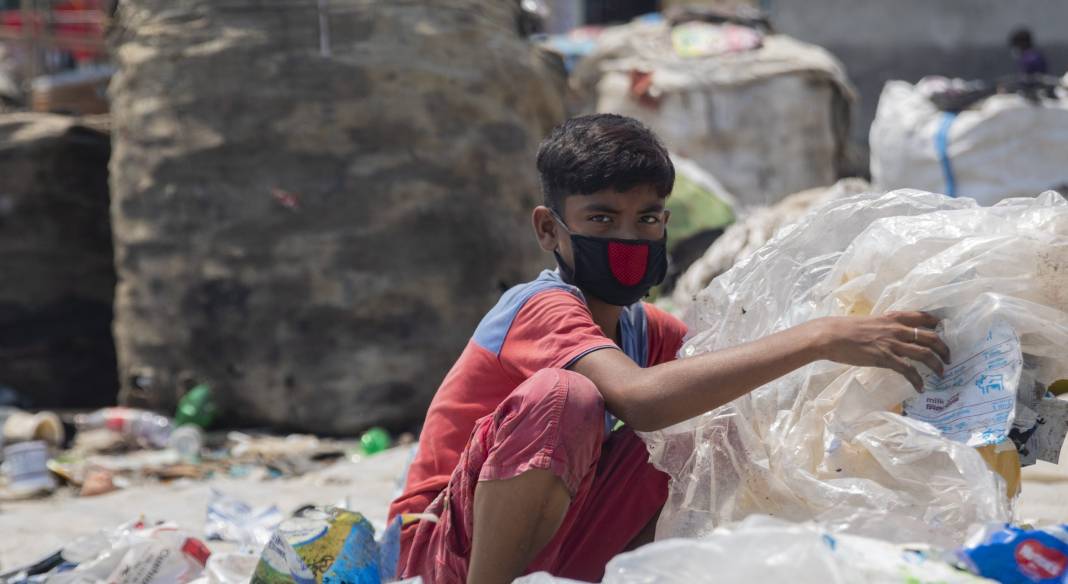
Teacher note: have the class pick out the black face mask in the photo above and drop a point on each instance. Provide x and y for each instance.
(617, 271)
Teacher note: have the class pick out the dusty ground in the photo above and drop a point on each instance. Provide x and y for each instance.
(30, 530)
(33, 529)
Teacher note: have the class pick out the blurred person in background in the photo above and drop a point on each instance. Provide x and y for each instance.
(1029, 60)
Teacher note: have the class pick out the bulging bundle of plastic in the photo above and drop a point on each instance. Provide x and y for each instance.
(828, 442)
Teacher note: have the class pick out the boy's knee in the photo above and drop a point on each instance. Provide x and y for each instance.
(582, 404)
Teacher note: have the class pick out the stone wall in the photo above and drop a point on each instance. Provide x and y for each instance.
(314, 209)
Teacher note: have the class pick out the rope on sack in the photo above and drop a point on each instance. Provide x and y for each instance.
(942, 149)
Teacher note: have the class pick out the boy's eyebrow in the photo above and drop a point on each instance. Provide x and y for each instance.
(654, 208)
(600, 207)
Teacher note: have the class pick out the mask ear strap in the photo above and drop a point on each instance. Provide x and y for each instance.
(559, 220)
(563, 225)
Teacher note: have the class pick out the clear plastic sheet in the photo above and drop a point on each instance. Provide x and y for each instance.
(824, 443)
(765, 550)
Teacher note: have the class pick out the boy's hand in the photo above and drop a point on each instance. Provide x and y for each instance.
(887, 341)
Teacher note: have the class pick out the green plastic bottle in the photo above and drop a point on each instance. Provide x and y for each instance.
(197, 407)
(375, 440)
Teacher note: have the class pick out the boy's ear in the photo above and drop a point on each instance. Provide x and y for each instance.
(667, 216)
(545, 228)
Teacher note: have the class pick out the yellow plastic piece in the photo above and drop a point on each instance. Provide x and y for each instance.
(1003, 459)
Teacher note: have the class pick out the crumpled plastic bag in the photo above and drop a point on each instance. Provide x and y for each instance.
(231, 519)
(761, 549)
(824, 443)
(133, 554)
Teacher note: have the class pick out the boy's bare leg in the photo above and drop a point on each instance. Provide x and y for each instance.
(513, 520)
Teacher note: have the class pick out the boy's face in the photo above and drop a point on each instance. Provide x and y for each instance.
(635, 214)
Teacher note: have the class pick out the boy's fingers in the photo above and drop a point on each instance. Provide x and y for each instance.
(935, 342)
(915, 319)
(922, 354)
(924, 338)
(903, 367)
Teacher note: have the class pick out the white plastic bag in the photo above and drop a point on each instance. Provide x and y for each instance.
(823, 443)
(134, 554)
(766, 550)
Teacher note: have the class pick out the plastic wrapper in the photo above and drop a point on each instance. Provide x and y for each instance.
(323, 546)
(1013, 554)
(766, 550)
(825, 442)
(133, 554)
(231, 519)
(231, 568)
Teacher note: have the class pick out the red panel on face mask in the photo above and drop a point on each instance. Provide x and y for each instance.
(628, 261)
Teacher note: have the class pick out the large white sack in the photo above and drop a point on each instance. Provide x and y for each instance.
(766, 122)
(1003, 146)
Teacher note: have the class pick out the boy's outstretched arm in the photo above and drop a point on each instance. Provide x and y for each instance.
(653, 398)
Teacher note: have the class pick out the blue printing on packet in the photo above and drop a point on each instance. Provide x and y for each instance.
(942, 150)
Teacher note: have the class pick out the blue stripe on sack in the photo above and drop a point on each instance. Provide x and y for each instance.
(942, 149)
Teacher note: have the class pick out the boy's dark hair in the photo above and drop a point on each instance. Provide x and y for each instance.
(590, 153)
(1021, 39)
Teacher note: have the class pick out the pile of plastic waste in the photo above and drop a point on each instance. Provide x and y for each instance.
(761, 549)
(752, 230)
(321, 545)
(829, 443)
(117, 447)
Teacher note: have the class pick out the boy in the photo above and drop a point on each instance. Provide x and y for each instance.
(518, 459)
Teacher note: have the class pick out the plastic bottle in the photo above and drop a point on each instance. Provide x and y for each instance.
(187, 440)
(146, 427)
(375, 440)
(196, 407)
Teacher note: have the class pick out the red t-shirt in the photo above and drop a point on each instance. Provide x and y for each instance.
(544, 324)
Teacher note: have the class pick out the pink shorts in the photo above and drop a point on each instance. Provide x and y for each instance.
(554, 421)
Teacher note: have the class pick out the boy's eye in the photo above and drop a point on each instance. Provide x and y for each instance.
(600, 219)
(650, 219)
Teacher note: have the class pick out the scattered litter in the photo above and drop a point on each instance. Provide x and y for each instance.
(98, 481)
(131, 554)
(25, 469)
(187, 441)
(146, 428)
(20, 426)
(197, 407)
(375, 440)
(231, 568)
(1013, 554)
(323, 545)
(231, 519)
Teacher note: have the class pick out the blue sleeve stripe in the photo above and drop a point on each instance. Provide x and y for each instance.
(494, 327)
